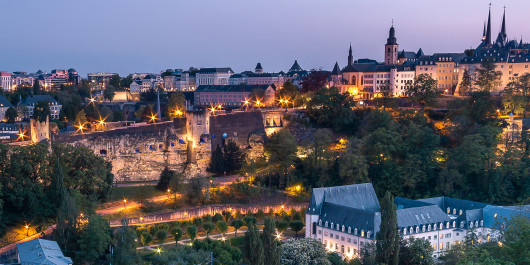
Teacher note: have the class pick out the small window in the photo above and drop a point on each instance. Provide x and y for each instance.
(171, 144)
(103, 152)
(136, 150)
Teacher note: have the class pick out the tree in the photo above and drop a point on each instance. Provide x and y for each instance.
(208, 227)
(329, 108)
(222, 227)
(271, 251)
(217, 162)
(517, 95)
(191, 231)
(314, 81)
(296, 226)
(290, 92)
(353, 167)
(11, 114)
(282, 151)
(466, 84)
(233, 156)
(176, 105)
(237, 223)
(80, 118)
(115, 81)
(161, 235)
(388, 237)
(36, 87)
(282, 226)
(124, 245)
(175, 186)
(164, 179)
(109, 93)
(198, 221)
(487, 78)
(217, 217)
(303, 251)
(227, 215)
(146, 238)
(57, 192)
(322, 138)
(253, 247)
(416, 251)
(94, 239)
(41, 110)
(195, 193)
(424, 91)
(178, 235)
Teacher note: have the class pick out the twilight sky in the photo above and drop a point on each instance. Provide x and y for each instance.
(127, 36)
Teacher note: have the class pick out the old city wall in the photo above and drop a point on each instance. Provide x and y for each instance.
(141, 152)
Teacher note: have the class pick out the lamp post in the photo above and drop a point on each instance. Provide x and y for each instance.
(124, 204)
(27, 230)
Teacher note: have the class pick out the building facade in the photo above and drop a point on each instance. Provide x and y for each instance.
(213, 76)
(99, 81)
(233, 96)
(5, 81)
(346, 218)
(27, 106)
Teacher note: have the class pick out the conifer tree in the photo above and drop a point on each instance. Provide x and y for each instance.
(388, 238)
(217, 164)
(270, 244)
(253, 248)
(165, 178)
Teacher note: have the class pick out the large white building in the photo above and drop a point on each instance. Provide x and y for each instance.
(27, 106)
(346, 218)
(213, 76)
(5, 81)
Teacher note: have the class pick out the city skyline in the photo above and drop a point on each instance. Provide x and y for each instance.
(128, 37)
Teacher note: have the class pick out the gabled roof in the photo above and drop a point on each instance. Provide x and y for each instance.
(29, 100)
(358, 196)
(40, 251)
(350, 217)
(4, 103)
(496, 216)
(422, 215)
(408, 55)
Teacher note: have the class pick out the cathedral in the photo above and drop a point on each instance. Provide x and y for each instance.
(511, 57)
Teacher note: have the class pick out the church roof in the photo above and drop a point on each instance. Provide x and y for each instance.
(296, 67)
(336, 69)
(258, 67)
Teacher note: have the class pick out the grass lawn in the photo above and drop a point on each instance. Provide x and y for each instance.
(16, 233)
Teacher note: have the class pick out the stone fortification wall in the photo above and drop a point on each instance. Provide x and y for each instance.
(238, 126)
(141, 152)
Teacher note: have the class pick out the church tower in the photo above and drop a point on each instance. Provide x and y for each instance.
(391, 47)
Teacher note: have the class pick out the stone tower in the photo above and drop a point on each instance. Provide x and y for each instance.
(391, 47)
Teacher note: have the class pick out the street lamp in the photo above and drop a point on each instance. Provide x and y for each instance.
(27, 230)
(124, 203)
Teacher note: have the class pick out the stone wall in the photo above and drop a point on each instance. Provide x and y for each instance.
(141, 152)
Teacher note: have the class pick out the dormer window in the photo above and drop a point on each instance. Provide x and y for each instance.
(368, 234)
(447, 225)
(481, 222)
(476, 223)
(470, 224)
(417, 229)
(462, 224)
(326, 224)
(362, 233)
(355, 231)
(343, 228)
(423, 229)
(429, 228)
(337, 226)
(454, 224)
(460, 212)
(454, 210)
(319, 222)
(331, 225)
(411, 230)
(448, 210)
(435, 226)
(404, 231)
(349, 229)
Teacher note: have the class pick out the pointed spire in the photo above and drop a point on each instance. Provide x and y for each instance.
(503, 27)
(488, 29)
(391, 36)
(350, 56)
(336, 69)
(419, 53)
(296, 67)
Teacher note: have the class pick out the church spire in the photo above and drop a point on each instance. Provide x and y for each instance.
(503, 27)
(488, 29)
(484, 32)
(350, 57)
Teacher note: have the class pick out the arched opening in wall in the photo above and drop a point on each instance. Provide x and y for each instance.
(103, 152)
(181, 141)
(136, 150)
(160, 146)
(152, 148)
(171, 144)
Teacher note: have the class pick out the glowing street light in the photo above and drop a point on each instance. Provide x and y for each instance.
(342, 141)
(153, 118)
(124, 203)
(158, 250)
(27, 230)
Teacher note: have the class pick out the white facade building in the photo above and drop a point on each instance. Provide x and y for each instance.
(213, 76)
(5, 81)
(346, 218)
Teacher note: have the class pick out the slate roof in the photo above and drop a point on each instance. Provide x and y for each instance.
(408, 55)
(4, 103)
(295, 67)
(31, 100)
(215, 70)
(373, 68)
(445, 202)
(230, 88)
(336, 69)
(495, 216)
(358, 196)
(449, 57)
(423, 215)
(258, 67)
(350, 217)
(40, 251)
